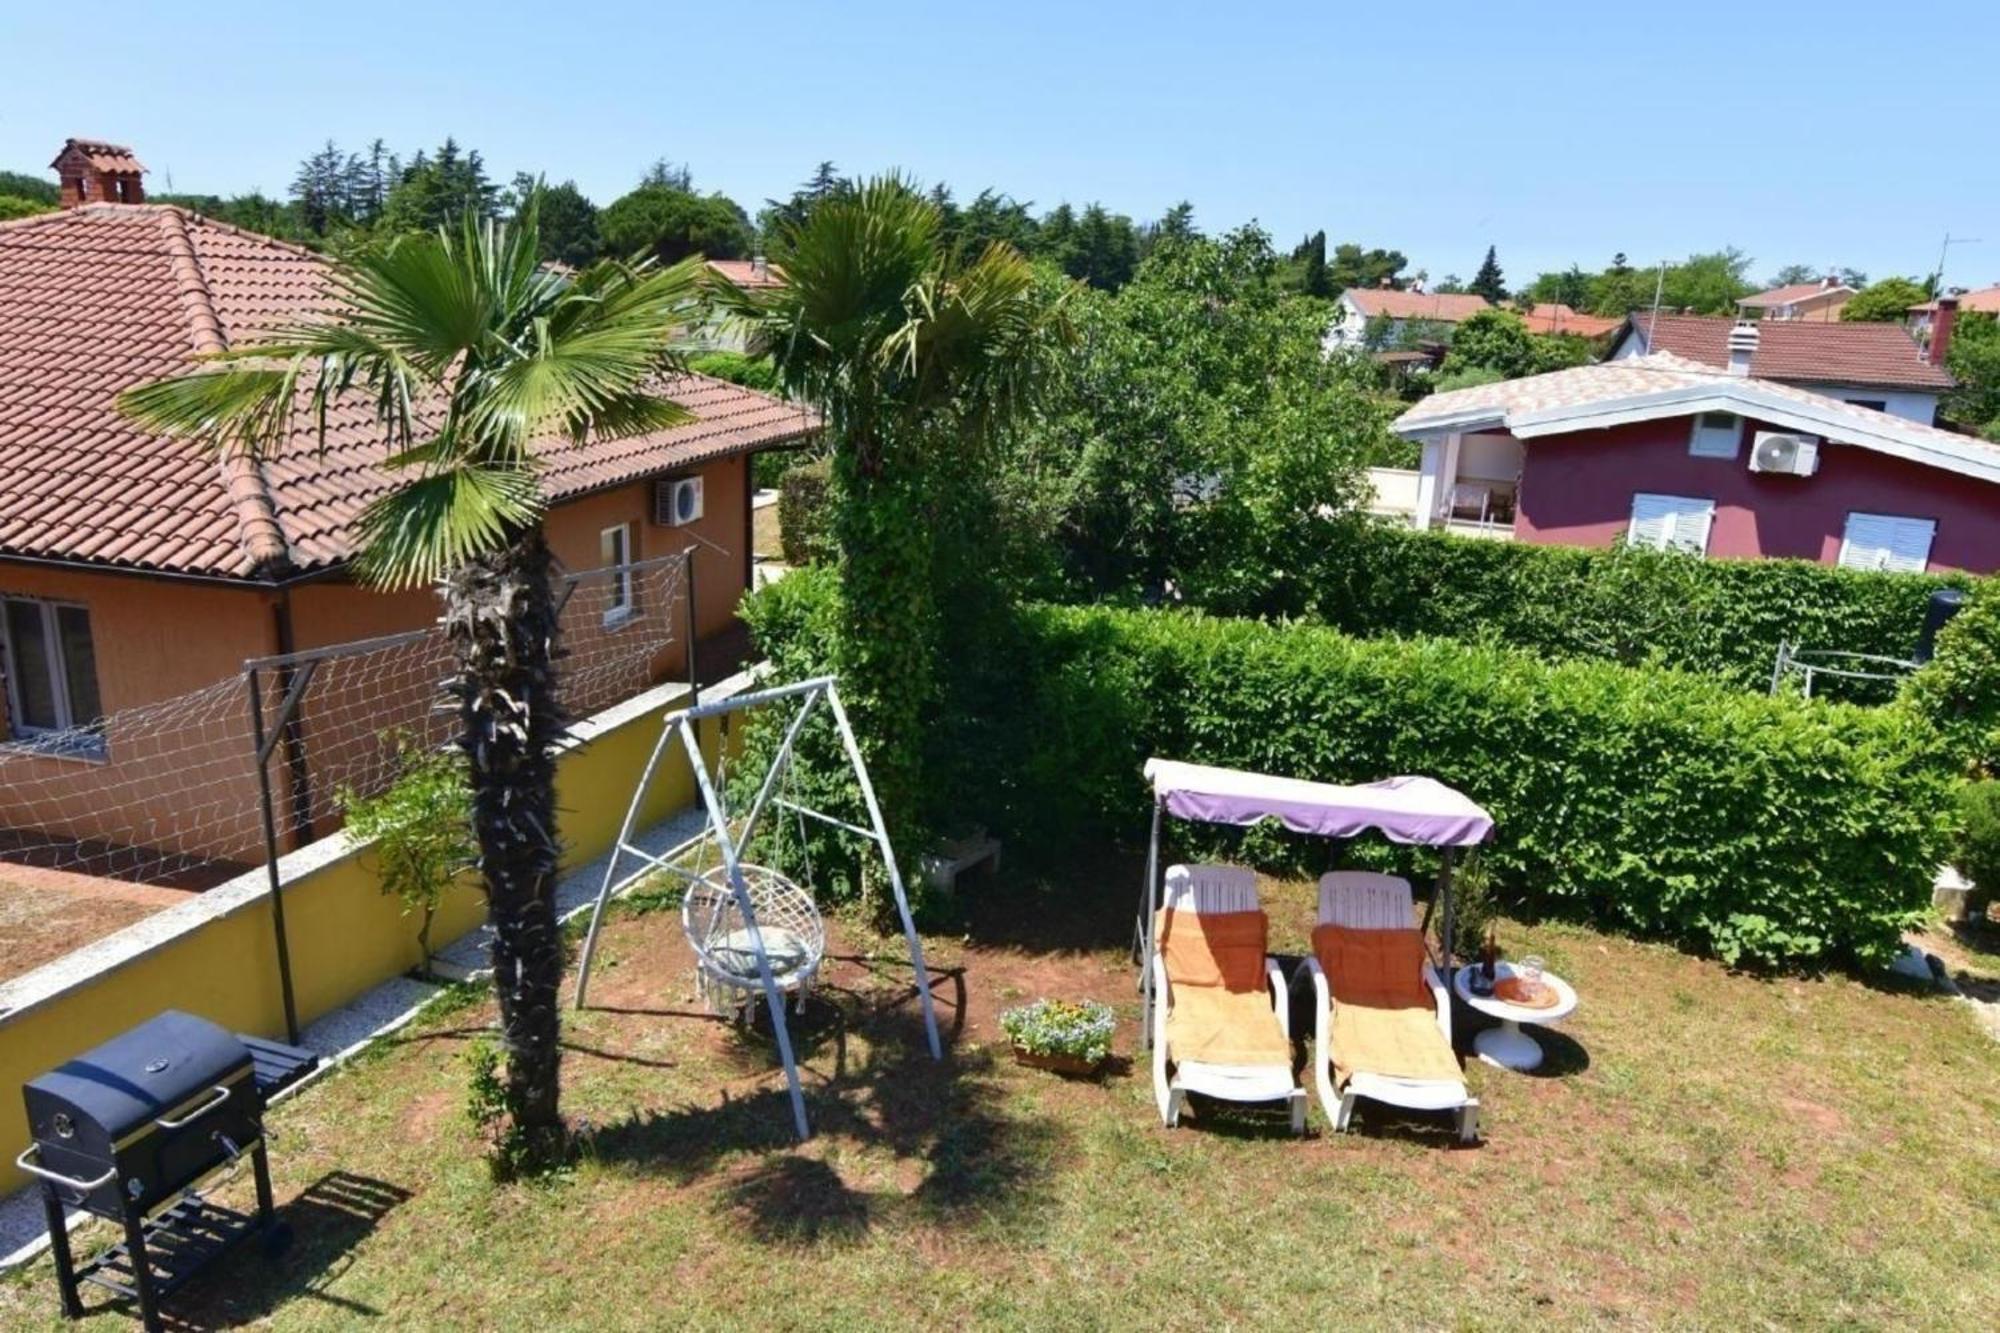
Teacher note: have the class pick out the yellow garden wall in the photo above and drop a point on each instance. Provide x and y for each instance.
(214, 955)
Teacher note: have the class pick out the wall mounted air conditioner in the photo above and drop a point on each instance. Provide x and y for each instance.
(1784, 453)
(676, 501)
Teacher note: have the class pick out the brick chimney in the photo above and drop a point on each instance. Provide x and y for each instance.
(1743, 340)
(95, 172)
(1942, 320)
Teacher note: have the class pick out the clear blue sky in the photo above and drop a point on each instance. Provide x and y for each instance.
(1841, 132)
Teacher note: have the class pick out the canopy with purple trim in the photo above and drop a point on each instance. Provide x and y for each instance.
(1415, 810)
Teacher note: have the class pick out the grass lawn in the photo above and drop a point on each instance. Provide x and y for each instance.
(1703, 1149)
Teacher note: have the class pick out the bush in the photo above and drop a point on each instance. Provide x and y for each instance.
(1959, 690)
(1622, 604)
(1764, 830)
(1060, 1028)
(1977, 856)
(420, 829)
(752, 372)
(805, 513)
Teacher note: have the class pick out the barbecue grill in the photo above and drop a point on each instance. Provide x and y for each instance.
(126, 1131)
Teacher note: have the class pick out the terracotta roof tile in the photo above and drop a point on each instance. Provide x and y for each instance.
(1448, 308)
(1985, 300)
(1555, 317)
(108, 157)
(106, 296)
(745, 273)
(1793, 292)
(1801, 351)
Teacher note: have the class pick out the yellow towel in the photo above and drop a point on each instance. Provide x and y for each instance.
(1384, 1017)
(1221, 1011)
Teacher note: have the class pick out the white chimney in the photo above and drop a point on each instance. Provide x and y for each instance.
(1742, 346)
(760, 267)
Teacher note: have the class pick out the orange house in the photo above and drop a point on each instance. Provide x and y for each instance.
(136, 568)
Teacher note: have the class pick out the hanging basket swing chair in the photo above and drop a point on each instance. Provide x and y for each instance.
(725, 952)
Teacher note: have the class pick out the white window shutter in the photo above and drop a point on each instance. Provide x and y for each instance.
(1676, 522)
(1882, 541)
(1650, 520)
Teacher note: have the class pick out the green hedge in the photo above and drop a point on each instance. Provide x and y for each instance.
(1723, 617)
(1769, 831)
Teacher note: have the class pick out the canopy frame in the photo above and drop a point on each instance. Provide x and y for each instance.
(1413, 811)
(679, 729)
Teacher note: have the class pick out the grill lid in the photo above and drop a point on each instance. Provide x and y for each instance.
(140, 1075)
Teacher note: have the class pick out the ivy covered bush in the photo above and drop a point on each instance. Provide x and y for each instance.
(804, 512)
(1959, 691)
(1622, 604)
(1766, 831)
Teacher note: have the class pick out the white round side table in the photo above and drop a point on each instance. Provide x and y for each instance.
(1507, 1046)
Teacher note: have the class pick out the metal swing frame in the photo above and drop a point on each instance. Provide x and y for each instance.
(679, 730)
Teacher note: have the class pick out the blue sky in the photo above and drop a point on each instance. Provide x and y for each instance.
(1836, 132)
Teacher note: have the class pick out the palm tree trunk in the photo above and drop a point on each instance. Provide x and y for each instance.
(501, 619)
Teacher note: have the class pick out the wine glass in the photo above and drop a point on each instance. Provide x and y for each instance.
(1531, 973)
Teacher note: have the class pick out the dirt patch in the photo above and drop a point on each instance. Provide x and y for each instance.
(45, 914)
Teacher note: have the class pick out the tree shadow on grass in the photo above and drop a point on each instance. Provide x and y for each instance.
(884, 1094)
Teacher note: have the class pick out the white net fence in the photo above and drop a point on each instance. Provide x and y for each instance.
(168, 793)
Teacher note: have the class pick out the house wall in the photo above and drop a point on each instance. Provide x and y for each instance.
(1577, 490)
(184, 782)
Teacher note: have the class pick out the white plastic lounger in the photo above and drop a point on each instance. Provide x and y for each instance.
(1246, 1032)
(1367, 901)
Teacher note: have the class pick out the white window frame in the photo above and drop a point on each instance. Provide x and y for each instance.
(1711, 448)
(1688, 510)
(80, 745)
(624, 600)
(1882, 556)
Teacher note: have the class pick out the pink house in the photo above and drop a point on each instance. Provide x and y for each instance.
(1664, 451)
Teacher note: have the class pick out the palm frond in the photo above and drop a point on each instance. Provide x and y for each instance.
(425, 528)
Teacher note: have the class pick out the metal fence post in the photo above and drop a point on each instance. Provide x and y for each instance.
(263, 759)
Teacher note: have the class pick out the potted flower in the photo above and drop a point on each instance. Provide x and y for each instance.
(1056, 1034)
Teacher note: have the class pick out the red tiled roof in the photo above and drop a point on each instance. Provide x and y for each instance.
(108, 157)
(1445, 308)
(745, 273)
(1555, 317)
(1801, 351)
(1797, 291)
(1986, 300)
(97, 299)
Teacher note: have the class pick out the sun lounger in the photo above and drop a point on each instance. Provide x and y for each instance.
(1383, 1017)
(1221, 1025)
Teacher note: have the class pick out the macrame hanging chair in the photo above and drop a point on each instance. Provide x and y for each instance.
(725, 951)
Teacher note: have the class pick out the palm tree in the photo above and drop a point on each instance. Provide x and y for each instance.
(473, 359)
(908, 347)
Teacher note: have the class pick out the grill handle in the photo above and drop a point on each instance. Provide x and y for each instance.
(217, 1096)
(34, 1150)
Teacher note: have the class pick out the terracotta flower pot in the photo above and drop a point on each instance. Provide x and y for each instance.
(1074, 1065)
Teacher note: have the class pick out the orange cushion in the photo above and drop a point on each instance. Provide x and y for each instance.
(1379, 968)
(1223, 949)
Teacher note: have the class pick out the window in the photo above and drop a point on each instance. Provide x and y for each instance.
(1881, 541)
(1879, 404)
(1670, 522)
(1715, 435)
(614, 549)
(51, 667)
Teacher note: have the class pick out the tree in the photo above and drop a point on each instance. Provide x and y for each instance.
(435, 191)
(825, 182)
(1105, 249)
(369, 178)
(1974, 361)
(569, 221)
(672, 224)
(1794, 275)
(667, 175)
(474, 360)
(21, 185)
(1885, 302)
(1351, 266)
(14, 206)
(1497, 341)
(1487, 282)
(918, 355)
(320, 190)
(1313, 277)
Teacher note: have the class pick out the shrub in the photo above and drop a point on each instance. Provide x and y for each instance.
(1978, 853)
(805, 513)
(752, 372)
(421, 828)
(1764, 830)
(1622, 604)
(1959, 690)
(1060, 1028)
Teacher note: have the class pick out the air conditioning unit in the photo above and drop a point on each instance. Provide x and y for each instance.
(676, 501)
(1784, 453)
